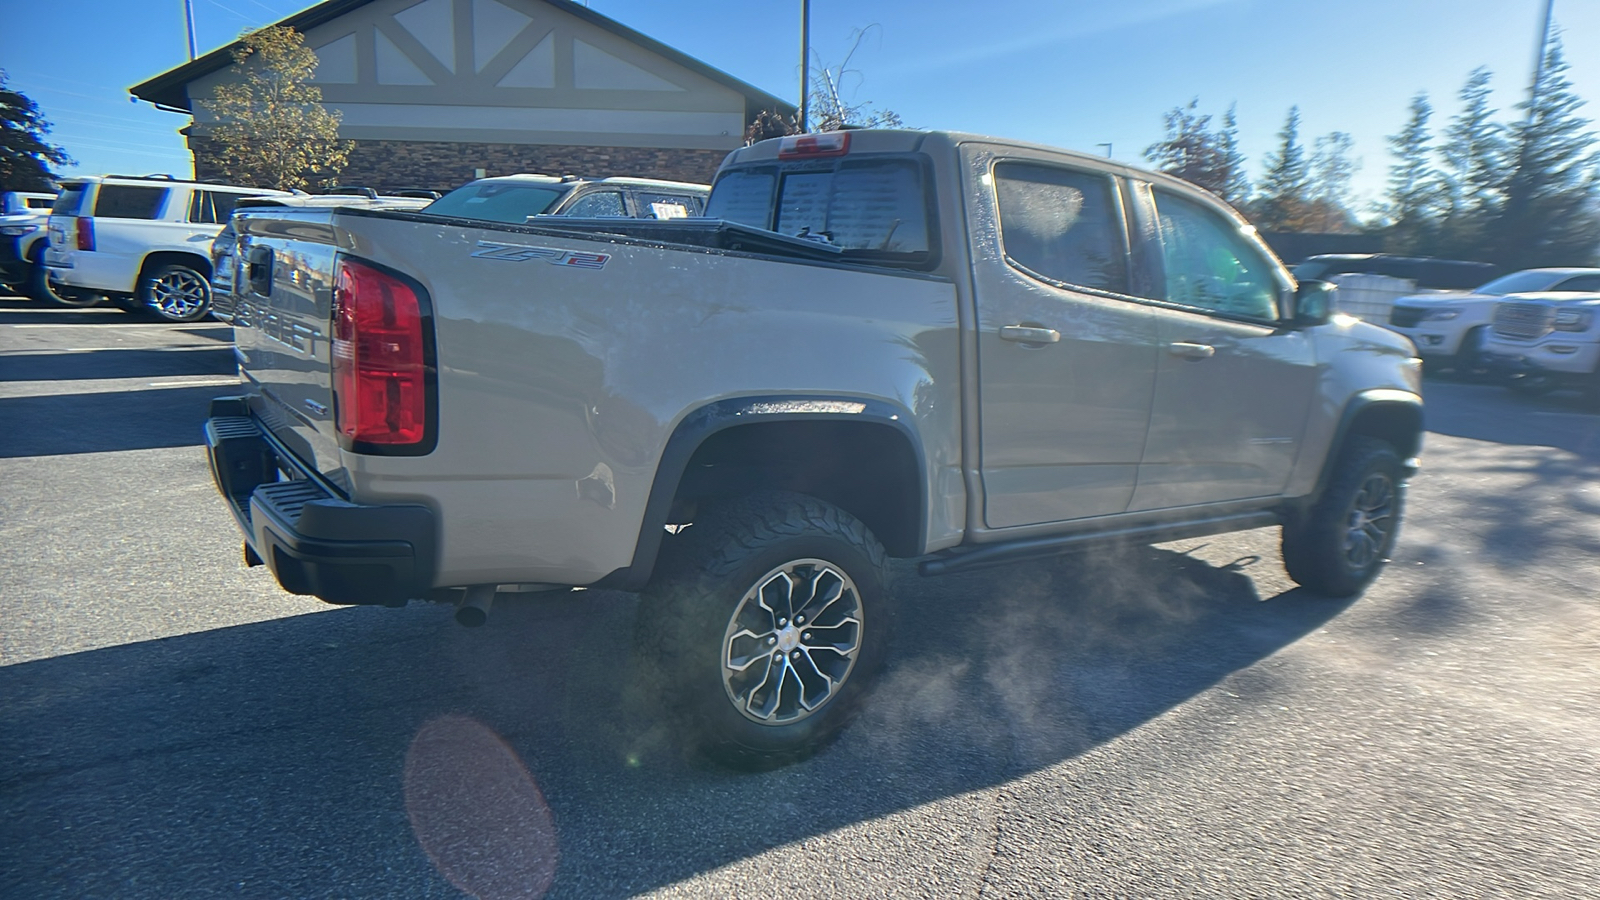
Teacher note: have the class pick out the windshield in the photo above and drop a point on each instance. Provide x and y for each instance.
(870, 208)
(1521, 283)
(497, 201)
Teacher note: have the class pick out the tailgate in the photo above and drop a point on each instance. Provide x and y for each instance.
(282, 324)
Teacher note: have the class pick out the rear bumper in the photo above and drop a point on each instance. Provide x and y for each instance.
(314, 541)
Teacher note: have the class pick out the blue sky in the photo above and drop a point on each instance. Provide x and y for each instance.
(1072, 73)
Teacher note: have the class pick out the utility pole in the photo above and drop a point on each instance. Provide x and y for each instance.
(805, 62)
(188, 15)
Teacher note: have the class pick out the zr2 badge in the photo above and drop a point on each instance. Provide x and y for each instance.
(524, 253)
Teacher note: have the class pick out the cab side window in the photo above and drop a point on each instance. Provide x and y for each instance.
(1580, 283)
(601, 203)
(1209, 265)
(1061, 225)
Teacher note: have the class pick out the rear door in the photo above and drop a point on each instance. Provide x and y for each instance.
(1234, 388)
(1067, 355)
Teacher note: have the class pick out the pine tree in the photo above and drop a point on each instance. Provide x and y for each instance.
(271, 127)
(1332, 169)
(1235, 186)
(1474, 153)
(1284, 202)
(25, 155)
(1411, 202)
(1549, 217)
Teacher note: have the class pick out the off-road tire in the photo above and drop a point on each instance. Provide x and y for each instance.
(699, 602)
(1322, 550)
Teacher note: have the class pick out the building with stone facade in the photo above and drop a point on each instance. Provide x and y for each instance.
(437, 92)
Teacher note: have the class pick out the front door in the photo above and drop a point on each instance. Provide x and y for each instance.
(1234, 388)
(1066, 357)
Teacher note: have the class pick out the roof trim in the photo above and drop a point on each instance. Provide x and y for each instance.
(170, 88)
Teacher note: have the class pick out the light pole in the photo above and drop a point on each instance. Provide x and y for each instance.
(805, 61)
(1538, 59)
(188, 16)
(1106, 145)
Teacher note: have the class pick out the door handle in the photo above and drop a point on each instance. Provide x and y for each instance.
(1191, 351)
(1029, 334)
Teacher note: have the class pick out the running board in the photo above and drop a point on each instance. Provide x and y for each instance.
(1033, 548)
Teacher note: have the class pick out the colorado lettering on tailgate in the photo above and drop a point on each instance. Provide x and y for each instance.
(523, 253)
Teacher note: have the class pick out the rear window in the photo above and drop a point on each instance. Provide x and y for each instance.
(497, 201)
(69, 200)
(668, 206)
(129, 201)
(875, 208)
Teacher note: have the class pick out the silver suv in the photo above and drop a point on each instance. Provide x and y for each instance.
(139, 242)
(514, 199)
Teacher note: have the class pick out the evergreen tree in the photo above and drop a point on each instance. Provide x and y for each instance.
(1284, 202)
(1332, 169)
(1473, 174)
(1549, 217)
(1411, 202)
(1235, 186)
(25, 155)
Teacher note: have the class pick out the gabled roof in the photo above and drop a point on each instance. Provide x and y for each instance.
(170, 88)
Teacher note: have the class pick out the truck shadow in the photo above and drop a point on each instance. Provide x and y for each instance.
(276, 754)
(99, 422)
(89, 365)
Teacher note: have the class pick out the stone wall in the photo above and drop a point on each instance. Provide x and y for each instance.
(441, 166)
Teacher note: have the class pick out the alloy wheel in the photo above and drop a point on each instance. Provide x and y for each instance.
(178, 294)
(1371, 521)
(792, 642)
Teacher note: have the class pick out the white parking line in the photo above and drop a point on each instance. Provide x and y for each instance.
(1563, 415)
(98, 325)
(210, 382)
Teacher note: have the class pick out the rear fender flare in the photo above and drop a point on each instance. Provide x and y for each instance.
(697, 427)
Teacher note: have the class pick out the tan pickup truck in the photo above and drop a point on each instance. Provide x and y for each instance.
(876, 344)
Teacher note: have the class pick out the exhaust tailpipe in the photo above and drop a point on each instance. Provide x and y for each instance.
(473, 610)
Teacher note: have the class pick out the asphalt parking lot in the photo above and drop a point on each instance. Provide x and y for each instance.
(1175, 721)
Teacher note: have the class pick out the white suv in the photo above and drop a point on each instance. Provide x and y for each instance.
(1451, 330)
(142, 242)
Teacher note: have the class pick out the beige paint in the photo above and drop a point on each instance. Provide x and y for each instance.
(437, 71)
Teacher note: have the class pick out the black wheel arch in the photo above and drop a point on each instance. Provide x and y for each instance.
(887, 488)
(1390, 415)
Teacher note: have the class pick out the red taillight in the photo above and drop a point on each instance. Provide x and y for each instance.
(832, 143)
(85, 233)
(380, 370)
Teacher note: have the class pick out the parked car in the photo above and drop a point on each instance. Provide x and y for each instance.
(1544, 342)
(877, 344)
(143, 242)
(23, 221)
(225, 264)
(1451, 329)
(515, 198)
(1427, 273)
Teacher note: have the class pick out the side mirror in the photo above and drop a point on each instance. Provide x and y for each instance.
(1314, 302)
